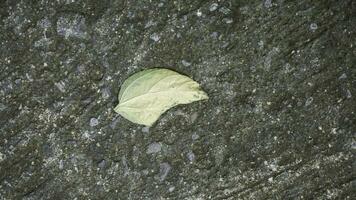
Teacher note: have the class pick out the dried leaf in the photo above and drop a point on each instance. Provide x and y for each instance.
(147, 94)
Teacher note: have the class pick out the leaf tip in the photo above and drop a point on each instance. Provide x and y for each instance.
(205, 96)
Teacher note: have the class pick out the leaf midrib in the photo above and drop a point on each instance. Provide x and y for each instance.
(126, 89)
(165, 91)
(155, 85)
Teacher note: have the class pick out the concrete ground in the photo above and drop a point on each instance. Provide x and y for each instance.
(280, 122)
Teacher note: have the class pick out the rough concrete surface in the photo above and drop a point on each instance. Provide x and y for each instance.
(280, 122)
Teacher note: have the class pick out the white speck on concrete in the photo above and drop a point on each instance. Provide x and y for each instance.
(343, 76)
(87, 136)
(194, 117)
(268, 3)
(2, 157)
(348, 94)
(186, 63)
(195, 136)
(313, 27)
(61, 86)
(105, 93)
(29, 78)
(155, 37)
(214, 35)
(199, 13)
(60, 164)
(309, 101)
(353, 145)
(191, 156)
(171, 189)
(154, 147)
(261, 44)
(93, 122)
(273, 167)
(224, 10)
(213, 7)
(228, 20)
(150, 23)
(164, 169)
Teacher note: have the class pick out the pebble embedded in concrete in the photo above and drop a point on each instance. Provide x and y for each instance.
(94, 122)
(154, 147)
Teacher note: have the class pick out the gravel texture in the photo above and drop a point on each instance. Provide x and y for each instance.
(280, 122)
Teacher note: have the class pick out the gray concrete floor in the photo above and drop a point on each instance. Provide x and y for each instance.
(279, 124)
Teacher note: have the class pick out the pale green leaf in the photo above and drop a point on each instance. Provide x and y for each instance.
(146, 95)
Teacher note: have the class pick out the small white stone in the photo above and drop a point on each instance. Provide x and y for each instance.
(191, 156)
(268, 3)
(146, 129)
(155, 37)
(164, 169)
(261, 44)
(214, 35)
(313, 26)
(199, 13)
(186, 63)
(195, 136)
(213, 7)
(94, 122)
(149, 24)
(353, 145)
(309, 101)
(2, 157)
(224, 10)
(348, 94)
(60, 165)
(343, 76)
(228, 21)
(105, 93)
(193, 117)
(61, 86)
(171, 189)
(154, 147)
